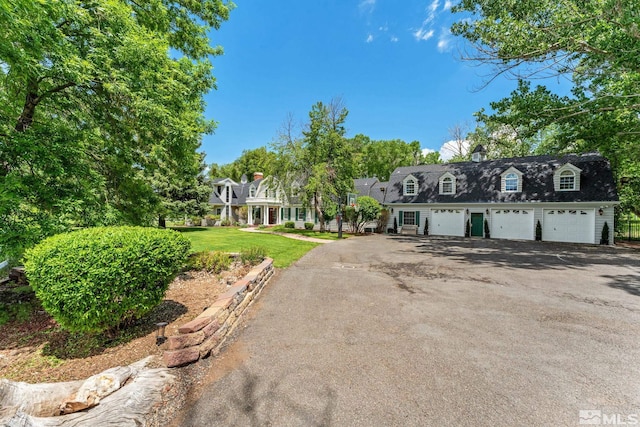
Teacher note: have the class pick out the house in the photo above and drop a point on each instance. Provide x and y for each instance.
(262, 199)
(571, 196)
(229, 197)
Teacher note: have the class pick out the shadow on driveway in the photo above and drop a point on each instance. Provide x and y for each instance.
(521, 254)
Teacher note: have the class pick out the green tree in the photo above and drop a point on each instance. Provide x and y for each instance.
(431, 158)
(320, 163)
(183, 192)
(250, 161)
(92, 106)
(381, 158)
(595, 44)
(366, 209)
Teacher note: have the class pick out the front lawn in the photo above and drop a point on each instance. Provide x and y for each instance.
(307, 233)
(284, 251)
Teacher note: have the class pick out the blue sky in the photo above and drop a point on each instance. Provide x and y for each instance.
(394, 63)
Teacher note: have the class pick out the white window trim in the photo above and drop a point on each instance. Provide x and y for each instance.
(576, 177)
(415, 186)
(441, 184)
(511, 176)
(404, 219)
(562, 175)
(503, 180)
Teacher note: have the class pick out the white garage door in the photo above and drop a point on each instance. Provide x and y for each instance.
(564, 225)
(447, 222)
(512, 224)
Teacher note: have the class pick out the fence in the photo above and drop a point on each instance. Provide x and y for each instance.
(628, 229)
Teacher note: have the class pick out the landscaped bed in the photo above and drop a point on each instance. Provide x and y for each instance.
(35, 349)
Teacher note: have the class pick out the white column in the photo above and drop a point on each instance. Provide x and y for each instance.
(249, 215)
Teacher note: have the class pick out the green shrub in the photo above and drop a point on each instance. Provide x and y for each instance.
(254, 255)
(289, 224)
(308, 225)
(212, 261)
(604, 240)
(100, 278)
(225, 222)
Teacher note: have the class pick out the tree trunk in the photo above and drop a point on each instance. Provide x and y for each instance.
(34, 405)
(31, 100)
(317, 207)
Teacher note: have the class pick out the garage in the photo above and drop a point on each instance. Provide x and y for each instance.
(447, 222)
(512, 224)
(569, 225)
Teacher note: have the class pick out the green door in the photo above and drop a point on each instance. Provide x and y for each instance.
(477, 224)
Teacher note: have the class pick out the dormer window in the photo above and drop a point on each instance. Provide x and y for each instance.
(447, 184)
(511, 183)
(511, 180)
(410, 186)
(252, 191)
(567, 180)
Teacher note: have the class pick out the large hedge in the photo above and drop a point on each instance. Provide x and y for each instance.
(100, 278)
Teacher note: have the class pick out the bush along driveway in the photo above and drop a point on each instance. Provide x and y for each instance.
(398, 330)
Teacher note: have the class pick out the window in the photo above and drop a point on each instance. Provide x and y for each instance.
(447, 186)
(252, 191)
(567, 180)
(410, 187)
(302, 214)
(511, 182)
(409, 218)
(266, 193)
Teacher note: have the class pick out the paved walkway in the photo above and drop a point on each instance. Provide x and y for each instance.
(412, 331)
(289, 235)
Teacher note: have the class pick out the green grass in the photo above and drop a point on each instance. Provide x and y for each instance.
(307, 233)
(284, 251)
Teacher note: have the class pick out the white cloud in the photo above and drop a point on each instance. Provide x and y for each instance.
(369, 38)
(445, 40)
(426, 151)
(367, 5)
(448, 4)
(451, 148)
(394, 39)
(423, 34)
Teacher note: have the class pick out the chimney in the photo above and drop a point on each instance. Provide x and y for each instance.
(257, 176)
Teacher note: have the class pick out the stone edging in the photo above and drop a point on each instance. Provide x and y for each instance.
(206, 333)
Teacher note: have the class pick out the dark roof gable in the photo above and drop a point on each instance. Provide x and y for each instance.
(480, 182)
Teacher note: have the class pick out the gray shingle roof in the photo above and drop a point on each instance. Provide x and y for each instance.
(480, 182)
(370, 187)
(239, 193)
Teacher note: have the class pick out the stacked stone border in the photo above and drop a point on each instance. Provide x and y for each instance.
(205, 334)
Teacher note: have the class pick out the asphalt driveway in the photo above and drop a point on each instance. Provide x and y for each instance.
(398, 331)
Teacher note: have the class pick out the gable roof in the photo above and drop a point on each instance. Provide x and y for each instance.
(370, 187)
(480, 182)
(239, 192)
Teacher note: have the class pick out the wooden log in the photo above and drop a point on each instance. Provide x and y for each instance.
(132, 405)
